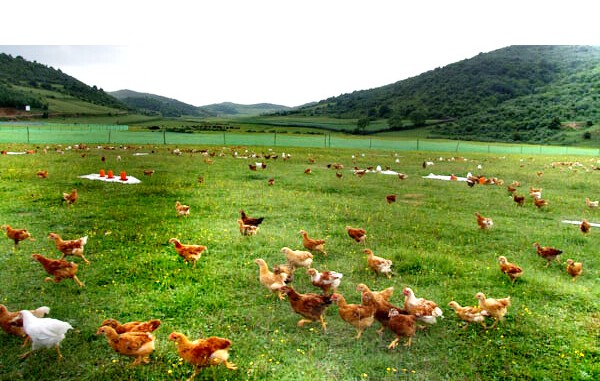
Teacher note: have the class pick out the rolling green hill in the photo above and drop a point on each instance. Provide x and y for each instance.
(159, 105)
(518, 93)
(30, 83)
(156, 104)
(228, 109)
(534, 94)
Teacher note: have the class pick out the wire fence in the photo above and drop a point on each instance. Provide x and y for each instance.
(31, 133)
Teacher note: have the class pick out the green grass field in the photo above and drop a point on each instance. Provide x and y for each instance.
(551, 330)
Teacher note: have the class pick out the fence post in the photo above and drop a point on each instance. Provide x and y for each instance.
(224, 138)
(370, 142)
(417, 144)
(27, 134)
(109, 136)
(164, 136)
(457, 146)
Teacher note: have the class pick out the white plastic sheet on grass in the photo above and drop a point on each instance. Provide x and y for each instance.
(443, 177)
(579, 223)
(116, 179)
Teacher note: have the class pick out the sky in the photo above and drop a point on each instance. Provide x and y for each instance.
(286, 52)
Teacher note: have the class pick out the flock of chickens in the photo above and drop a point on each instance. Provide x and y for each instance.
(402, 321)
(136, 339)
(548, 253)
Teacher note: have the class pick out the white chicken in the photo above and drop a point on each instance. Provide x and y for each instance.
(43, 332)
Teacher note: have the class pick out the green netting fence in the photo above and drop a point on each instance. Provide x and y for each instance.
(50, 133)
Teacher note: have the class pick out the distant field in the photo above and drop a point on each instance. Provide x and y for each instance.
(321, 123)
(120, 134)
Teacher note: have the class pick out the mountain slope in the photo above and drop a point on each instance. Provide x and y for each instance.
(23, 82)
(517, 88)
(156, 104)
(234, 109)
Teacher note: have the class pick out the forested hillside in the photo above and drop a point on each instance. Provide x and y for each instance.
(515, 93)
(20, 78)
(234, 109)
(156, 104)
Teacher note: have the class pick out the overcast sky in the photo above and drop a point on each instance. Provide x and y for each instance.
(287, 52)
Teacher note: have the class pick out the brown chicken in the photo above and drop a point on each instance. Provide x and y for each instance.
(383, 295)
(378, 264)
(16, 235)
(585, 226)
(513, 271)
(182, 210)
(148, 172)
(496, 308)
(359, 316)
(297, 258)
(310, 306)
(325, 280)
(70, 198)
(520, 200)
(202, 353)
(426, 310)
(357, 234)
(58, 268)
(574, 268)
(402, 324)
(469, 314)
(286, 269)
(339, 175)
(360, 172)
(547, 252)
(591, 204)
(313, 244)
(271, 181)
(251, 220)
(273, 282)
(484, 222)
(189, 253)
(12, 322)
(132, 326)
(71, 247)
(379, 300)
(42, 174)
(134, 344)
(390, 198)
(247, 229)
(539, 202)
(308, 171)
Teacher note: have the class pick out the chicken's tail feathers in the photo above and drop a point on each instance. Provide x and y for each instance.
(42, 311)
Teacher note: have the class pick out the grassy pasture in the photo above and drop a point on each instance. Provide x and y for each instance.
(551, 330)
